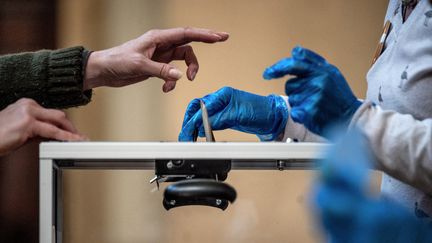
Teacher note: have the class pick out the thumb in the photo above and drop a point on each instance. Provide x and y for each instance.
(163, 71)
(166, 72)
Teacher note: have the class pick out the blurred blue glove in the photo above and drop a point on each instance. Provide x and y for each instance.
(345, 210)
(265, 116)
(319, 96)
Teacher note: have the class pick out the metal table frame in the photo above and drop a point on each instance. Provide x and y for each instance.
(58, 156)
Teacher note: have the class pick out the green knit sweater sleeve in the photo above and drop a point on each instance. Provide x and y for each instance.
(54, 79)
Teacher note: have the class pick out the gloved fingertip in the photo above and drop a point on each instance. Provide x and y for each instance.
(297, 52)
(184, 138)
(268, 74)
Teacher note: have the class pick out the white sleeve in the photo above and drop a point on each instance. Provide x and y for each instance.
(401, 144)
(296, 131)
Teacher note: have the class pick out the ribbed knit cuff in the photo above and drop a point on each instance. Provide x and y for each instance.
(65, 78)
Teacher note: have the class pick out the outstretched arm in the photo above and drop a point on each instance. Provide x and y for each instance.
(65, 77)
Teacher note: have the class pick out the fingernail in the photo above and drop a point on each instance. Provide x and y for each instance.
(168, 86)
(267, 74)
(225, 34)
(193, 75)
(174, 74)
(218, 36)
(171, 87)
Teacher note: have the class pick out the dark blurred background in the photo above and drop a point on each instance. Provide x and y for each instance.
(25, 25)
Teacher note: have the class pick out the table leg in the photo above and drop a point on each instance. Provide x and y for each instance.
(46, 226)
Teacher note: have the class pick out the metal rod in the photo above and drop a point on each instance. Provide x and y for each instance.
(206, 123)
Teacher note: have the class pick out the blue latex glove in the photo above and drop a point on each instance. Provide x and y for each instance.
(345, 210)
(265, 116)
(319, 96)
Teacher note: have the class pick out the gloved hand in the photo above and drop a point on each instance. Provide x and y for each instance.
(319, 96)
(265, 116)
(345, 210)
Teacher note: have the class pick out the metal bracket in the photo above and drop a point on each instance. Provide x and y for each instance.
(176, 170)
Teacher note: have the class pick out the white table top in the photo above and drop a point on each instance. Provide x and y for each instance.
(174, 150)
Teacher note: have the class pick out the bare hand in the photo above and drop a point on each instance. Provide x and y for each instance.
(148, 56)
(25, 119)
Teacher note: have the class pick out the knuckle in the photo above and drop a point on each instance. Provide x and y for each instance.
(26, 101)
(187, 28)
(164, 70)
(153, 34)
(327, 76)
(25, 109)
(150, 32)
(195, 101)
(23, 100)
(188, 48)
(192, 105)
(60, 134)
(186, 31)
(333, 70)
(60, 114)
(226, 89)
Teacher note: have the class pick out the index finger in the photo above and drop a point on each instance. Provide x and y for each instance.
(188, 129)
(289, 66)
(182, 36)
(47, 130)
(56, 117)
(192, 108)
(307, 55)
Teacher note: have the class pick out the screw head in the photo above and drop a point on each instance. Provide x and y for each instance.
(170, 164)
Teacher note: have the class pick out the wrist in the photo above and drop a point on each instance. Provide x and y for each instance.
(355, 105)
(280, 117)
(93, 71)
